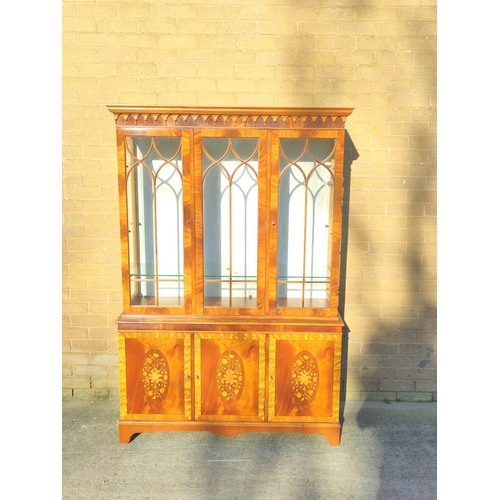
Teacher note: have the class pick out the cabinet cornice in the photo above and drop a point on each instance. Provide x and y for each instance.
(262, 118)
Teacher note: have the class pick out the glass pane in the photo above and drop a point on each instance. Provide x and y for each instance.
(155, 220)
(230, 218)
(305, 214)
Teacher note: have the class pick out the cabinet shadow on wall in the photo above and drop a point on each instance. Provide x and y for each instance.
(350, 155)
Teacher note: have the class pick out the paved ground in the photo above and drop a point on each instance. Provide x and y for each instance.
(387, 451)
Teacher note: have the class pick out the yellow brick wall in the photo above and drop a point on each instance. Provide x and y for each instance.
(377, 56)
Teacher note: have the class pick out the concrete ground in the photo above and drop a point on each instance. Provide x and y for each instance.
(387, 451)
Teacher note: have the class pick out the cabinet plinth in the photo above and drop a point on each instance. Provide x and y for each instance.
(230, 236)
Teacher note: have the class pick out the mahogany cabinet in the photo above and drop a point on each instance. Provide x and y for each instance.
(230, 240)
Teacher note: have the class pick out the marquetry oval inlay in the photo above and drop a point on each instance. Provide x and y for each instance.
(305, 378)
(155, 376)
(230, 377)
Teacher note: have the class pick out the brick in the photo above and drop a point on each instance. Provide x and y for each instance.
(378, 373)
(416, 374)
(226, 42)
(73, 231)
(278, 28)
(71, 332)
(242, 56)
(96, 11)
(417, 349)
(425, 362)
(301, 43)
(195, 27)
(154, 26)
(78, 25)
(84, 393)
(397, 361)
(423, 273)
(89, 371)
(87, 270)
(361, 385)
(157, 84)
(220, 12)
(359, 28)
(78, 54)
(265, 99)
(88, 320)
(417, 14)
(75, 359)
(426, 386)
(330, 71)
(259, 12)
(137, 10)
(104, 387)
(338, 43)
(402, 286)
(75, 383)
(377, 396)
(180, 10)
(363, 360)
(380, 348)
(408, 235)
(136, 40)
(105, 332)
(416, 43)
(397, 385)
(376, 72)
(104, 359)
(113, 25)
(275, 57)
(97, 40)
(414, 72)
(69, 9)
(197, 55)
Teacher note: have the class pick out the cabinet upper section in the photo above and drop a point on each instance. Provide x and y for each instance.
(231, 210)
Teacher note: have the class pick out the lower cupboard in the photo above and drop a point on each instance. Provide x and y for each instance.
(229, 382)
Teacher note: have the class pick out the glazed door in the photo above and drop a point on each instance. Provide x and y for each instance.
(305, 213)
(229, 376)
(230, 194)
(156, 230)
(155, 376)
(304, 373)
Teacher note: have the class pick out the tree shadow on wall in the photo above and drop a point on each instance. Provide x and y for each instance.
(401, 349)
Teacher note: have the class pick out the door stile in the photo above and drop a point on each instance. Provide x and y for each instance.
(273, 178)
(198, 245)
(337, 219)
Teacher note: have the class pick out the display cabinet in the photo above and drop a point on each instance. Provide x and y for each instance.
(230, 223)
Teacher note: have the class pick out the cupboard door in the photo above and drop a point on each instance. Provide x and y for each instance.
(229, 376)
(155, 376)
(304, 374)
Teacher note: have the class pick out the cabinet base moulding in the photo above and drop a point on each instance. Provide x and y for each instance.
(128, 429)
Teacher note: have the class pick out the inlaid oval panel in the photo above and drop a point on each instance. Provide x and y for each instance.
(305, 378)
(230, 377)
(155, 376)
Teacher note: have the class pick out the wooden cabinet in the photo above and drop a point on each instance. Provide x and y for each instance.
(230, 225)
